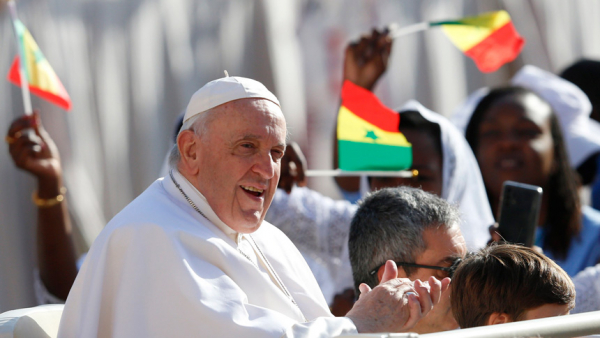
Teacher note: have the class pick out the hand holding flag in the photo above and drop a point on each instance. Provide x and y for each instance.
(367, 131)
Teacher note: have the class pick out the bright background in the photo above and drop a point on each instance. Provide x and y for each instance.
(130, 67)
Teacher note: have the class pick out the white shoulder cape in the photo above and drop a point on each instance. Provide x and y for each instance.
(160, 269)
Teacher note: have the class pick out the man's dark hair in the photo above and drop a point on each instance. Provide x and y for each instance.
(389, 224)
(508, 279)
(563, 218)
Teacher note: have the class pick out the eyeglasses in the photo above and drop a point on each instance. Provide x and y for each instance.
(450, 270)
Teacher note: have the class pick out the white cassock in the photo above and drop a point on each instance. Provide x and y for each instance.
(166, 266)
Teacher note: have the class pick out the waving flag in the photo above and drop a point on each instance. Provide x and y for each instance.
(38, 72)
(490, 39)
(368, 135)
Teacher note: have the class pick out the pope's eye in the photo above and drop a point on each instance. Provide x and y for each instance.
(248, 145)
(277, 154)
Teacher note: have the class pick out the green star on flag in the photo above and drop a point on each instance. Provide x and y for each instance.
(368, 135)
(371, 135)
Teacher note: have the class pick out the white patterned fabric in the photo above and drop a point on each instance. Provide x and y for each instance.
(319, 227)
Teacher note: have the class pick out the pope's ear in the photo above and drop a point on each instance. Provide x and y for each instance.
(498, 318)
(187, 142)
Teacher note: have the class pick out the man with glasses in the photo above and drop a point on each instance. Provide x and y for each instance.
(417, 230)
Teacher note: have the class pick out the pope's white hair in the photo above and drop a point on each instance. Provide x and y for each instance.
(199, 125)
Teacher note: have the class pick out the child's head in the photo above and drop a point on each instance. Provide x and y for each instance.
(507, 283)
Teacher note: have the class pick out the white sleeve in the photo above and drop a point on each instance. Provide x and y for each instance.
(587, 287)
(323, 327)
(141, 283)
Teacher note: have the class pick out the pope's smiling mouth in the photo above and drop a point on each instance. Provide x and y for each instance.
(252, 191)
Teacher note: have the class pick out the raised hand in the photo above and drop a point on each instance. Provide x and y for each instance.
(32, 149)
(367, 59)
(396, 304)
(293, 165)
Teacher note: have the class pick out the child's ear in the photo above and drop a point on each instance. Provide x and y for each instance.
(498, 318)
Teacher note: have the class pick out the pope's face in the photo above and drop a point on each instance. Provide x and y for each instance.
(239, 160)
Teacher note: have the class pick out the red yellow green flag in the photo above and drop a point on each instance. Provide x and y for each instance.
(38, 72)
(490, 39)
(368, 134)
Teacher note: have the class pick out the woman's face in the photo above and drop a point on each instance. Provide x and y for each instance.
(515, 142)
(426, 159)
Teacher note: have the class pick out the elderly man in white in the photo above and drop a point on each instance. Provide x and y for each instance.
(192, 256)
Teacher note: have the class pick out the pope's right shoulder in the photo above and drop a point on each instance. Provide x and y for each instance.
(156, 209)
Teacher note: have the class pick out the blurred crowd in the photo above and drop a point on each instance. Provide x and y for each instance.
(541, 129)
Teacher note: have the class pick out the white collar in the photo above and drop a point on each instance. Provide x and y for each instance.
(200, 201)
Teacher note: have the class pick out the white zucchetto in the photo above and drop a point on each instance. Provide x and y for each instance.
(226, 89)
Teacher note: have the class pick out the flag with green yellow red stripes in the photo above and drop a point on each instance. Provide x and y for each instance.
(41, 78)
(368, 133)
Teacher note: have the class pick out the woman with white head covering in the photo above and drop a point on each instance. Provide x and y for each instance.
(570, 104)
(572, 107)
(516, 135)
(434, 138)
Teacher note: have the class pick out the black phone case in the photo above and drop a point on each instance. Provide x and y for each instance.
(519, 212)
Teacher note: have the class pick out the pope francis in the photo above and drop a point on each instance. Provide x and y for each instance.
(192, 257)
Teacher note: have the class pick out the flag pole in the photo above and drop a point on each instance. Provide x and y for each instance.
(396, 31)
(24, 83)
(372, 173)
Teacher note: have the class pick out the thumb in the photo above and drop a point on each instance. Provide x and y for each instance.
(37, 123)
(390, 271)
(364, 289)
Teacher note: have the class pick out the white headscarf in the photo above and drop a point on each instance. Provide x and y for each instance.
(461, 177)
(462, 115)
(572, 107)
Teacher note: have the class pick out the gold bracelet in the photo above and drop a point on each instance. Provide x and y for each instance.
(49, 202)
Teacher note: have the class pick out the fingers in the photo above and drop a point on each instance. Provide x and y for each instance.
(445, 284)
(377, 45)
(435, 290)
(414, 310)
(425, 299)
(23, 122)
(293, 165)
(23, 150)
(298, 159)
(286, 183)
(38, 127)
(390, 271)
(364, 289)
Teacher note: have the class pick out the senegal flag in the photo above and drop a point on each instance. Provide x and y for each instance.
(38, 72)
(490, 39)
(368, 134)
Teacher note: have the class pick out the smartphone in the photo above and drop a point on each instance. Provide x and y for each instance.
(519, 212)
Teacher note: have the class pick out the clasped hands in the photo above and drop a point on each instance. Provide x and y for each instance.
(396, 304)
